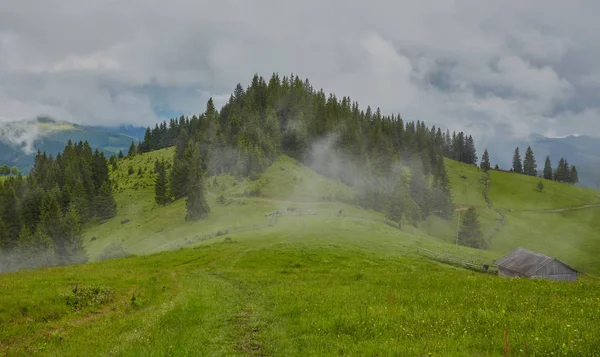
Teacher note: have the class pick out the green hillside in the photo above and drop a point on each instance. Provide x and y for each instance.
(310, 282)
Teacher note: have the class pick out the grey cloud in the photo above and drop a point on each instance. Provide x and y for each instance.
(512, 67)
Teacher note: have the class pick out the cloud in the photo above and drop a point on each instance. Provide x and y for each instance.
(489, 67)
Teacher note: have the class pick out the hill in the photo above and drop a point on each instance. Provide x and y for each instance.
(309, 282)
(19, 141)
(506, 221)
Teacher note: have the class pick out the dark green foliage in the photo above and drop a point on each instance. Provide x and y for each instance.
(105, 206)
(180, 171)
(529, 163)
(517, 163)
(470, 233)
(287, 116)
(485, 161)
(548, 174)
(540, 186)
(94, 296)
(4, 170)
(573, 176)
(160, 185)
(195, 204)
(132, 150)
(41, 216)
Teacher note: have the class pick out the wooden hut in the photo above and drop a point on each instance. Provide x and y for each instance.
(525, 263)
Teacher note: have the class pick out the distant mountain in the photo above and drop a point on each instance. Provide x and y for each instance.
(20, 140)
(583, 151)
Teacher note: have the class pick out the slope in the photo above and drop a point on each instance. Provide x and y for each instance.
(321, 286)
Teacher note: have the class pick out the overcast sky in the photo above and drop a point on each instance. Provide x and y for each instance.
(488, 67)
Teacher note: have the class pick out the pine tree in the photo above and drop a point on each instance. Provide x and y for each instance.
(74, 252)
(105, 206)
(120, 156)
(394, 205)
(470, 233)
(485, 161)
(51, 221)
(529, 164)
(196, 204)
(132, 150)
(573, 176)
(548, 173)
(517, 163)
(180, 172)
(160, 185)
(10, 216)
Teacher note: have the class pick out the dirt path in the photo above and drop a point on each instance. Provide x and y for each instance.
(556, 210)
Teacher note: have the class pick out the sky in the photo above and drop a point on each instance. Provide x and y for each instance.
(493, 68)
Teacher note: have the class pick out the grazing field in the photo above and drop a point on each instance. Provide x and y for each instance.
(306, 286)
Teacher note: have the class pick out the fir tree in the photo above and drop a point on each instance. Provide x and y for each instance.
(470, 233)
(485, 161)
(180, 172)
(529, 163)
(132, 150)
(105, 206)
(517, 163)
(195, 204)
(160, 185)
(73, 251)
(548, 174)
(10, 215)
(120, 156)
(573, 176)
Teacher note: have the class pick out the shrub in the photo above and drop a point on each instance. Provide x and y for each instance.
(88, 297)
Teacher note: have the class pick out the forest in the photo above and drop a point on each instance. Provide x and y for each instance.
(42, 214)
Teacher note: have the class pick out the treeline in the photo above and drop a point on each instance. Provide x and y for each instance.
(564, 173)
(287, 116)
(6, 170)
(41, 215)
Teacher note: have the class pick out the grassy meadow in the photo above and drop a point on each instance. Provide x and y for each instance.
(241, 283)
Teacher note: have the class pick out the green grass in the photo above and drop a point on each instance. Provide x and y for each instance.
(519, 192)
(303, 285)
(310, 286)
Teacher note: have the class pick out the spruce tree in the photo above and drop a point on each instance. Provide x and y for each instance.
(105, 206)
(11, 218)
(470, 233)
(517, 163)
(485, 161)
(548, 174)
(160, 185)
(73, 250)
(394, 205)
(132, 149)
(180, 172)
(529, 164)
(196, 205)
(573, 176)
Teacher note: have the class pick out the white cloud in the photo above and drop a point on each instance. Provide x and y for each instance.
(480, 65)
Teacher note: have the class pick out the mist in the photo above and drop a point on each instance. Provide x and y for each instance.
(20, 134)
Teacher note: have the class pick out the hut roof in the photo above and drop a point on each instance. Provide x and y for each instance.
(525, 261)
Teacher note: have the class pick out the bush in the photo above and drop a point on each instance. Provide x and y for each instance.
(113, 251)
(88, 297)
